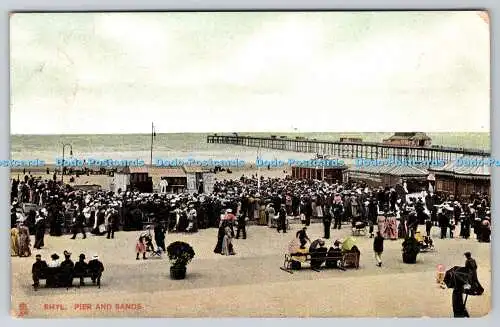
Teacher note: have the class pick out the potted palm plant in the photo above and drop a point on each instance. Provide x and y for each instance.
(179, 254)
(411, 249)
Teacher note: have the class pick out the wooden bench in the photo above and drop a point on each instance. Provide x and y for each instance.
(344, 260)
(56, 277)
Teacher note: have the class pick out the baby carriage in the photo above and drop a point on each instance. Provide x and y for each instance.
(359, 228)
(461, 278)
(425, 242)
(148, 239)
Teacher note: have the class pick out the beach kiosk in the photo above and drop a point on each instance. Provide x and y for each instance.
(328, 174)
(173, 179)
(120, 181)
(195, 178)
(138, 179)
(375, 176)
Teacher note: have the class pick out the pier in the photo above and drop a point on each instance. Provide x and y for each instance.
(349, 150)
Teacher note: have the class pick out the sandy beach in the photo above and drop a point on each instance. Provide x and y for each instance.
(251, 284)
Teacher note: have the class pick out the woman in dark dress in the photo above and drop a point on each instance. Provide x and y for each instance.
(39, 231)
(220, 239)
(485, 231)
(465, 224)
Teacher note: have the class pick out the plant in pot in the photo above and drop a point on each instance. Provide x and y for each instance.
(179, 254)
(411, 249)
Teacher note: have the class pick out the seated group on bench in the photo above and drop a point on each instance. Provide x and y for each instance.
(331, 257)
(61, 274)
(319, 254)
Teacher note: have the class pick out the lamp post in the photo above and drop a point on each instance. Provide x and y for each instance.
(70, 153)
(322, 157)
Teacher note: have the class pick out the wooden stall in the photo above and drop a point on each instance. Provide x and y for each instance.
(462, 180)
(139, 179)
(120, 181)
(328, 174)
(196, 178)
(375, 176)
(175, 177)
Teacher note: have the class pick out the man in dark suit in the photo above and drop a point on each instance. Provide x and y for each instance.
(96, 268)
(37, 269)
(282, 219)
(241, 229)
(159, 232)
(78, 225)
(318, 255)
(80, 268)
(337, 215)
(327, 222)
(112, 223)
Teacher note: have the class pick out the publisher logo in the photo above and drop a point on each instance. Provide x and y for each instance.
(22, 310)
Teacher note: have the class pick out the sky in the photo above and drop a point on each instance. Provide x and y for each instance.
(100, 73)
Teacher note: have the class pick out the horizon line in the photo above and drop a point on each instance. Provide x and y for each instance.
(267, 132)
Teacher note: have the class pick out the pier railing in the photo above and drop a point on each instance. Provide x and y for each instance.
(349, 150)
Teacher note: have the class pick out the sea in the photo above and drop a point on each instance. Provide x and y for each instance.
(48, 148)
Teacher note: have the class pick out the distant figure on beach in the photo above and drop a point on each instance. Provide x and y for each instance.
(39, 230)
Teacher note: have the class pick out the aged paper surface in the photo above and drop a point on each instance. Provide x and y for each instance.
(173, 150)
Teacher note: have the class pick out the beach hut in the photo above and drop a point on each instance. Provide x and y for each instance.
(139, 179)
(174, 178)
(208, 182)
(120, 181)
(375, 176)
(462, 180)
(195, 178)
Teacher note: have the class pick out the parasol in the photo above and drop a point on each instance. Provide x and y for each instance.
(348, 243)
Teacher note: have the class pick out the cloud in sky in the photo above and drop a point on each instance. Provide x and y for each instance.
(199, 72)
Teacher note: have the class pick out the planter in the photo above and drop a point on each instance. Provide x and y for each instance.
(410, 258)
(178, 272)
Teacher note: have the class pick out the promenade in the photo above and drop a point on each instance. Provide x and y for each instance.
(250, 284)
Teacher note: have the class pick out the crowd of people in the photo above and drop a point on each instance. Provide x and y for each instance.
(232, 204)
(40, 204)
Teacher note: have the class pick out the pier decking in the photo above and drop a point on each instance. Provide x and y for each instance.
(349, 150)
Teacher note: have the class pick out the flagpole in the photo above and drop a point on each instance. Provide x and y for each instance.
(258, 169)
(152, 139)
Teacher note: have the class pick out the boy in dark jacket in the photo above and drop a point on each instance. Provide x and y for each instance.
(378, 248)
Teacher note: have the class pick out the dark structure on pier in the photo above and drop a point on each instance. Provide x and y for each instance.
(411, 139)
(350, 150)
